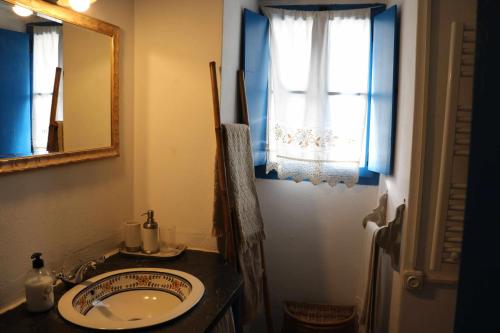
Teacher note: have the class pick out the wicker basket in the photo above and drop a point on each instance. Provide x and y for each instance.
(302, 317)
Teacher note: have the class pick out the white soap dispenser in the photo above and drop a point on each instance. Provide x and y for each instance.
(39, 286)
(150, 234)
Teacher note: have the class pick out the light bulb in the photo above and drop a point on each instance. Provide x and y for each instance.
(22, 11)
(79, 5)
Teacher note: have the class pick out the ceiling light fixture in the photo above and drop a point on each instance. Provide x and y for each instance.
(22, 11)
(77, 5)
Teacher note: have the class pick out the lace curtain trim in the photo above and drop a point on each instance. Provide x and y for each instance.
(315, 171)
(306, 137)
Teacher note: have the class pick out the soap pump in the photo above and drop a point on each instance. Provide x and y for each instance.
(39, 286)
(150, 234)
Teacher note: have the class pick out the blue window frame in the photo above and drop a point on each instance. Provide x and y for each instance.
(382, 100)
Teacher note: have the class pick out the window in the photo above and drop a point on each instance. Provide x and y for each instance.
(46, 58)
(318, 94)
(320, 118)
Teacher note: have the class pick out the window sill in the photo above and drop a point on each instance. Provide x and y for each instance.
(366, 177)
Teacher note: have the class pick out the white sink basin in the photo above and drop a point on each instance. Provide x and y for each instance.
(131, 298)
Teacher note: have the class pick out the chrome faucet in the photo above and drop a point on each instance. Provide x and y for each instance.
(77, 274)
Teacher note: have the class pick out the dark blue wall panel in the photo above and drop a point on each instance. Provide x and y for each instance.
(15, 94)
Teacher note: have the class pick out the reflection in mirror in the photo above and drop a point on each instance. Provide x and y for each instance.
(55, 85)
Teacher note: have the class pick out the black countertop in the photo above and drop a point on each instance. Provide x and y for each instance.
(222, 285)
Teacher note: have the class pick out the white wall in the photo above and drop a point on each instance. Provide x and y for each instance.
(87, 89)
(74, 211)
(231, 57)
(175, 142)
(314, 240)
(398, 185)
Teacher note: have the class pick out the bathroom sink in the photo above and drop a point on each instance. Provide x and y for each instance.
(131, 298)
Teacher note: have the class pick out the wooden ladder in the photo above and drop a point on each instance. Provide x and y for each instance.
(230, 236)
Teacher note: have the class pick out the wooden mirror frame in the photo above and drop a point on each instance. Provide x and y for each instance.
(41, 161)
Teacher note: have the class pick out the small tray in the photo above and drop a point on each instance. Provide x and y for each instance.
(164, 253)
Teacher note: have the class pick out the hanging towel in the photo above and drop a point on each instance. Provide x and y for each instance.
(241, 184)
(246, 215)
(367, 287)
(250, 262)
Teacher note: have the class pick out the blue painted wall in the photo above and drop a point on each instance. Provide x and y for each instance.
(15, 94)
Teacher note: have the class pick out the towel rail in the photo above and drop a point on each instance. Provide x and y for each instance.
(389, 237)
(378, 215)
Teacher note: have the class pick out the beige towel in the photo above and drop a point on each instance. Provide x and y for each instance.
(241, 184)
(250, 262)
(367, 288)
(246, 215)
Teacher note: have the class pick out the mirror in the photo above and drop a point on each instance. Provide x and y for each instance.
(58, 86)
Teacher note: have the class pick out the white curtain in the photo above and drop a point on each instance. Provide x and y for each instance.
(318, 94)
(46, 58)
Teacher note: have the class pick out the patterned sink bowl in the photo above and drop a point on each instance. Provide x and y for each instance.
(131, 298)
